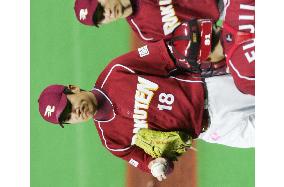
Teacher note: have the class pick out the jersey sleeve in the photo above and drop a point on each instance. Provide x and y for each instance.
(240, 48)
(242, 68)
(151, 59)
(136, 157)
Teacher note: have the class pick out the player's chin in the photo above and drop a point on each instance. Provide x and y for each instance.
(88, 116)
(84, 118)
(91, 110)
(125, 12)
(108, 21)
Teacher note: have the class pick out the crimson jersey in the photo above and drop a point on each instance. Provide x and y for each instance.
(238, 42)
(143, 94)
(154, 20)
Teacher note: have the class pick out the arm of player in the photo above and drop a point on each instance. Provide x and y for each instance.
(151, 59)
(136, 157)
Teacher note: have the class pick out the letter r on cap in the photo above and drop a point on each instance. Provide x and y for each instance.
(83, 14)
(49, 110)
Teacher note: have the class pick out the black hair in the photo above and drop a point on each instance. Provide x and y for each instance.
(67, 91)
(68, 107)
(98, 15)
(65, 113)
(216, 34)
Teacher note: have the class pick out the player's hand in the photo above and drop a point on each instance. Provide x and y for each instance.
(160, 167)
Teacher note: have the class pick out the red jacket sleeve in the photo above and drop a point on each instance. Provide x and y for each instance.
(151, 59)
(136, 157)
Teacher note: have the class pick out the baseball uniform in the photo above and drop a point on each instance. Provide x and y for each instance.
(141, 90)
(239, 42)
(156, 20)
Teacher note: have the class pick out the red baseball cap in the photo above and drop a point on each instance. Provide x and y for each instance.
(84, 10)
(52, 101)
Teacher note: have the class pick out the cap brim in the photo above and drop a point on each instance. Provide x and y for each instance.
(61, 106)
(88, 7)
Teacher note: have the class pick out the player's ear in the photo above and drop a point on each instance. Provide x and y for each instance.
(74, 89)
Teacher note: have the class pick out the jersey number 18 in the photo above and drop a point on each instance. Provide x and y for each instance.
(167, 100)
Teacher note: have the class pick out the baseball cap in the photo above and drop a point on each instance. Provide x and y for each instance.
(52, 102)
(84, 10)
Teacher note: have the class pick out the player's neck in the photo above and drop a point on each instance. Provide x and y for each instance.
(217, 53)
(134, 4)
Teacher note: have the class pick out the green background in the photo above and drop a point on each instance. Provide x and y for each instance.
(65, 52)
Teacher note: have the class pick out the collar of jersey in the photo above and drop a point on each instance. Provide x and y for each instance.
(105, 111)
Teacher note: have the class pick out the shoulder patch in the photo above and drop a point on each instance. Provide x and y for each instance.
(143, 51)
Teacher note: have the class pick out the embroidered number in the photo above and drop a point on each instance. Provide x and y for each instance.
(166, 99)
(207, 39)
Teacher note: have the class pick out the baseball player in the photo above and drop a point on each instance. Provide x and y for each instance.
(201, 46)
(238, 39)
(143, 90)
(150, 20)
(165, 17)
(210, 51)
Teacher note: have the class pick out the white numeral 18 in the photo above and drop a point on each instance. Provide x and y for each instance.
(167, 99)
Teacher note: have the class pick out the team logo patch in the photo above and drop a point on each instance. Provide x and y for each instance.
(133, 162)
(143, 51)
(49, 110)
(83, 14)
